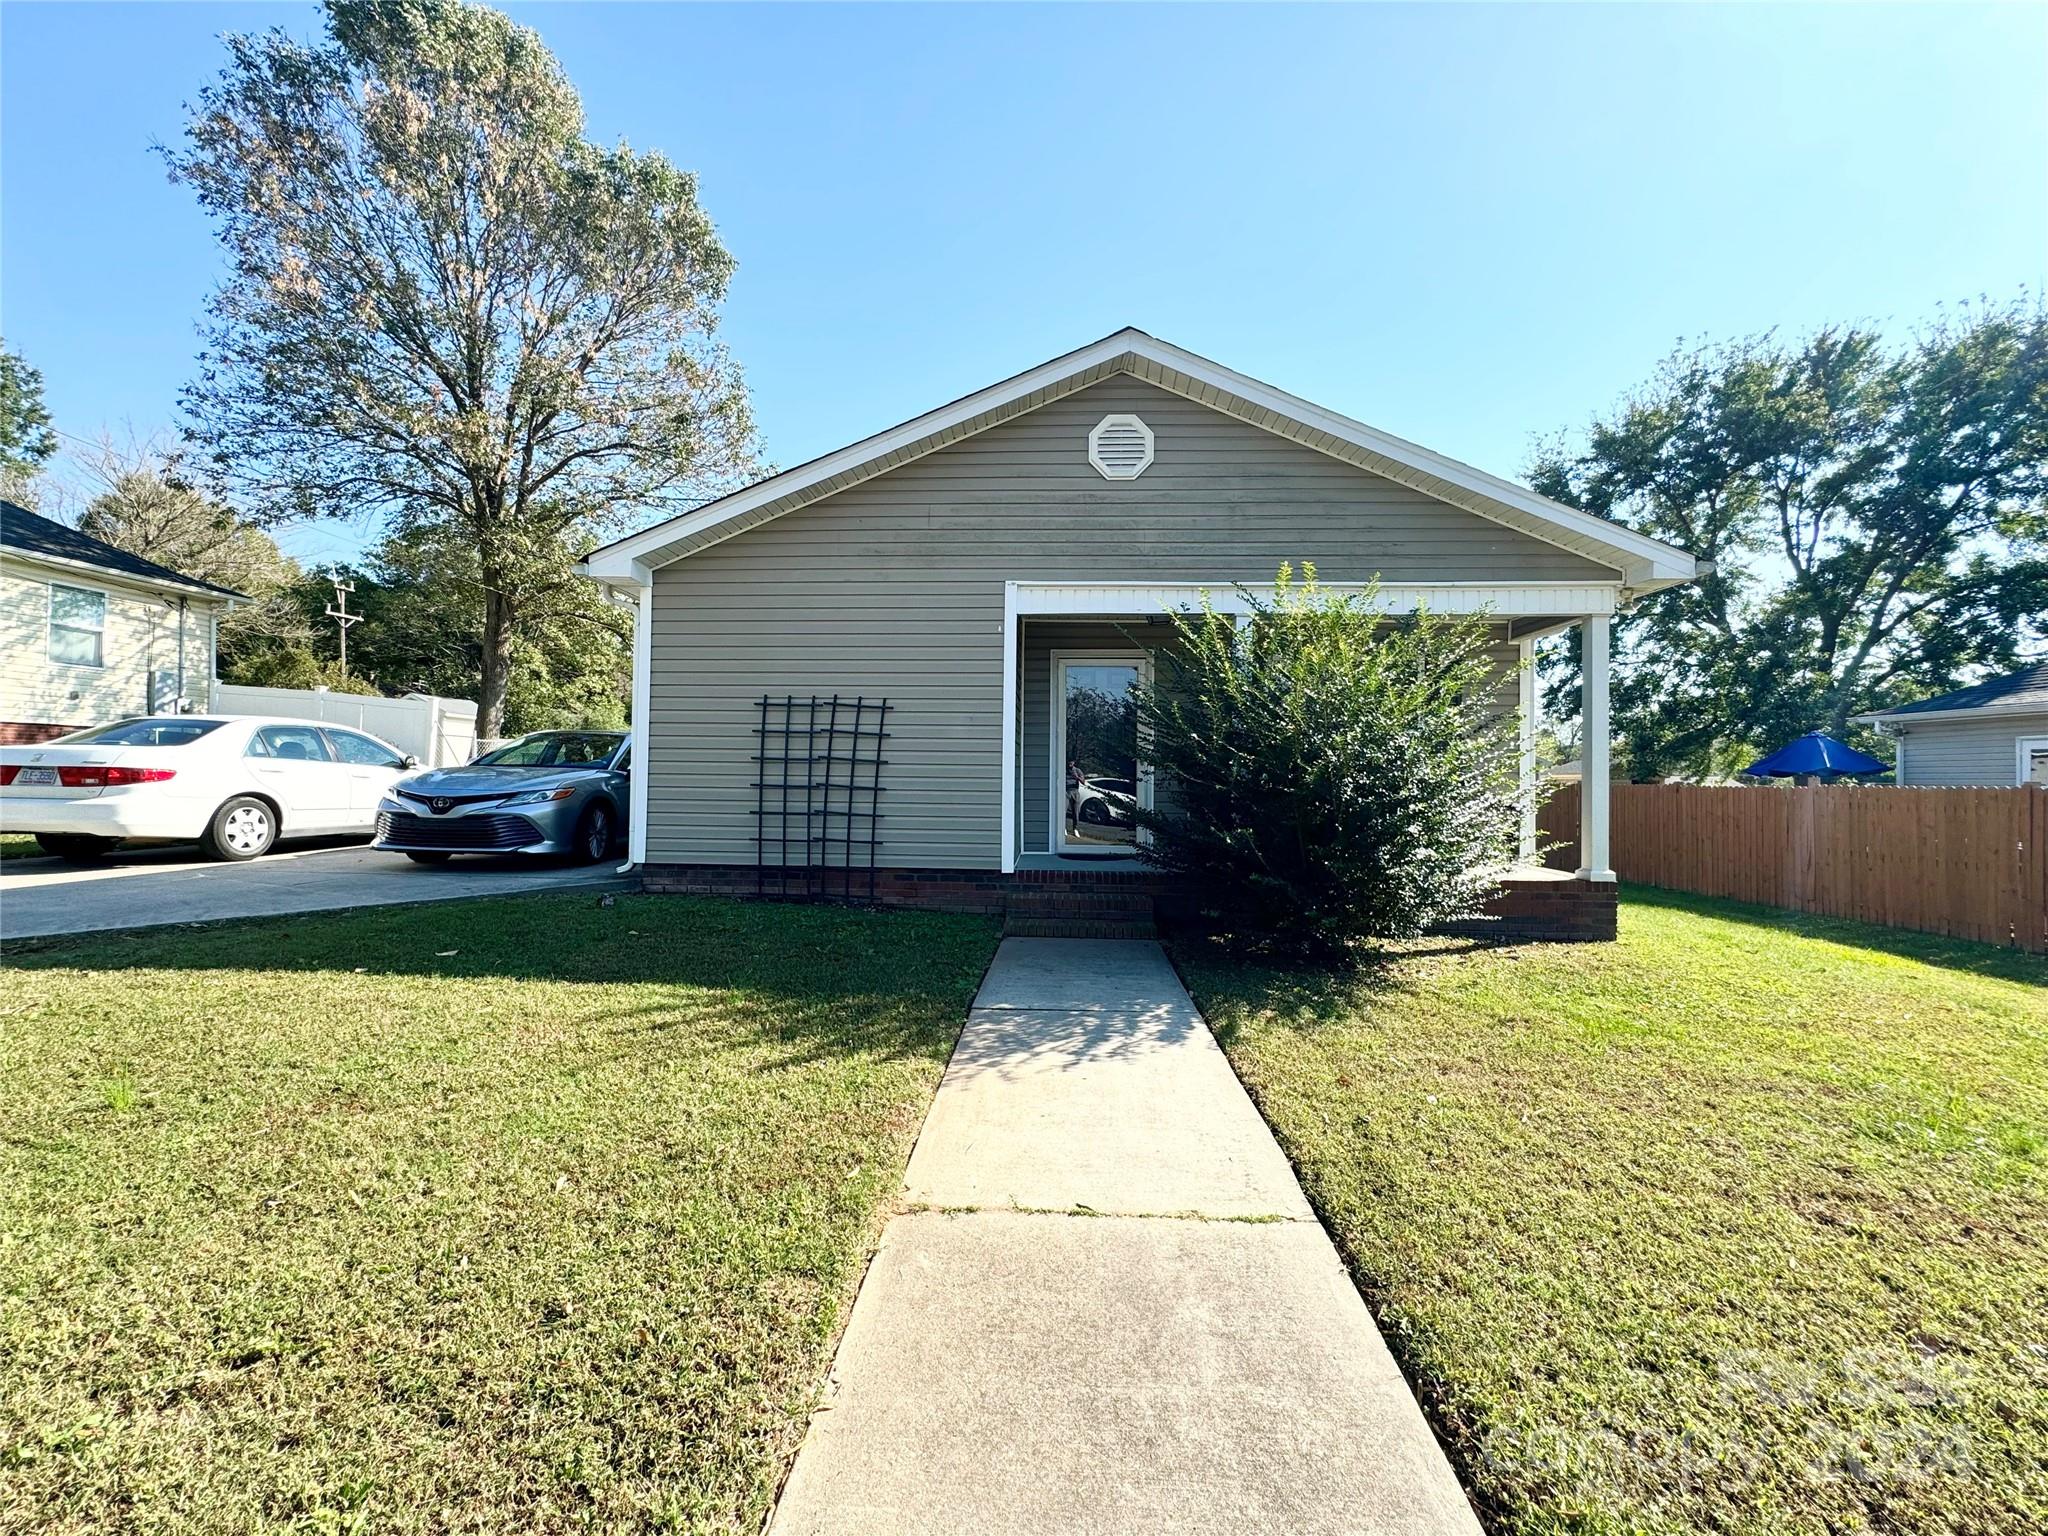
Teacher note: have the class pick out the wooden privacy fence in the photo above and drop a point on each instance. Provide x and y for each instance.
(1971, 863)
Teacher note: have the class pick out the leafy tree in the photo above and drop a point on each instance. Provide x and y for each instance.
(26, 438)
(1875, 521)
(447, 307)
(142, 502)
(1332, 775)
(296, 667)
(421, 595)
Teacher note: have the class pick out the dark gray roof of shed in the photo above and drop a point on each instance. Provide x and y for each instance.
(33, 534)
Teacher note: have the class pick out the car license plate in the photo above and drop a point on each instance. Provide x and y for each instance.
(36, 778)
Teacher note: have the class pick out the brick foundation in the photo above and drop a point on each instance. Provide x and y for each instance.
(1538, 907)
(20, 733)
(1546, 908)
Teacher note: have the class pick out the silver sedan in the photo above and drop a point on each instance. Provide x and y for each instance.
(554, 792)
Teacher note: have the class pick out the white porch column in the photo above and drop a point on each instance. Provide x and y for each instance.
(1531, 701)
(1009, 731)
(643, 726)
(1593, 731)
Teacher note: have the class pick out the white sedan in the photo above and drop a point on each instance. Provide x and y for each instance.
(236, 784)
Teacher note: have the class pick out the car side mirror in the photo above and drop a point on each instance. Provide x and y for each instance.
(408, 761)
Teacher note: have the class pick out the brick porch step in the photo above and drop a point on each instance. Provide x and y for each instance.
(1024, 926)
(1132, 904)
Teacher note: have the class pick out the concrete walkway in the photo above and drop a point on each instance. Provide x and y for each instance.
(1109, 1308)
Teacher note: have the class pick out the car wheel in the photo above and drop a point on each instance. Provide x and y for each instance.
(429, 856)
(594, 833)
(76, 847)
(243, 829)
(1095, 813)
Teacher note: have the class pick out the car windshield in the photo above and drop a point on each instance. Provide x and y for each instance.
(555, 749)
(141, 733)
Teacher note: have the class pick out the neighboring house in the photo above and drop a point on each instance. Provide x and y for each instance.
(89, 633)
(1000, 569)
(1991, 733)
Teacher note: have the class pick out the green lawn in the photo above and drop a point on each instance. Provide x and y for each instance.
(530, 1215)
(15, 845)
(1738, 1225)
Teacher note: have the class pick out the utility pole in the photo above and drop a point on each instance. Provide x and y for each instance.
(338, 611)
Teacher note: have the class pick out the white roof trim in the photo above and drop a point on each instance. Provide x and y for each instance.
(114, 576)
(1502, 599)
(1645, 563)
(1991, 711)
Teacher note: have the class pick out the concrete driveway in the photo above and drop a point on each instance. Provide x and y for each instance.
(40, 897)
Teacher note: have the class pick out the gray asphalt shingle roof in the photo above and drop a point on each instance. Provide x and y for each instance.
(33, 534)
(2016, 690)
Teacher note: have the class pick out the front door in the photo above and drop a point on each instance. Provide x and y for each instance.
(1098, 782)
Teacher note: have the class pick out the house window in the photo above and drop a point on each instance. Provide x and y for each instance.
(2034, 760)
(78, 623)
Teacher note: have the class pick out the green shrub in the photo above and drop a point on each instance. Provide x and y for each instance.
(293, 667)
(1328, 773)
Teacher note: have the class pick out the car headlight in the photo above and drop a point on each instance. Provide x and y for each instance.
(540, 796)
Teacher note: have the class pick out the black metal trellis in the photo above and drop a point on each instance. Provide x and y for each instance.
(815, 831)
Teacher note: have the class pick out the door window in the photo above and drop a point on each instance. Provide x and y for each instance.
(1098, 746)
(362, 751)
(290, 743)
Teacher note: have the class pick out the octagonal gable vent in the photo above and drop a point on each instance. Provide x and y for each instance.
(1120, 447)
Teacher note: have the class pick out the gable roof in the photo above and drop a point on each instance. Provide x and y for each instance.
(1645, 564)
(2016, 693)
(30, 533)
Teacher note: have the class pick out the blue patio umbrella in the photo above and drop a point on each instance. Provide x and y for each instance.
(1814, 753)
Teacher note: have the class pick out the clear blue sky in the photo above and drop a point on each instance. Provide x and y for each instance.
(1470, 225)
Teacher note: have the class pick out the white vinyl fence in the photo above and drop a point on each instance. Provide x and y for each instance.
(438, 732)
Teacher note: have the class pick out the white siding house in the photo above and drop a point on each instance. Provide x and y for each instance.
(1992, 733)
(89, 633)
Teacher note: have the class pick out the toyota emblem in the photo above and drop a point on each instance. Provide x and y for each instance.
(440, 804)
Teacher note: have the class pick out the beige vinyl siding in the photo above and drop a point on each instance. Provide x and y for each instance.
(1968, 753)
(140, 638)
(895, 587)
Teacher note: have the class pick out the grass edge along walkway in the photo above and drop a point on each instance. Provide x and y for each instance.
(1739, 1224)
(532, 1214)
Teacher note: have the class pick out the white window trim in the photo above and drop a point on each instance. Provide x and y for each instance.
(1112, 472)
(50, 624)
(2023, 747)
(1056, 747)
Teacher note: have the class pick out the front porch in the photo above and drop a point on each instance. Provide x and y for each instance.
(1065, 836)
